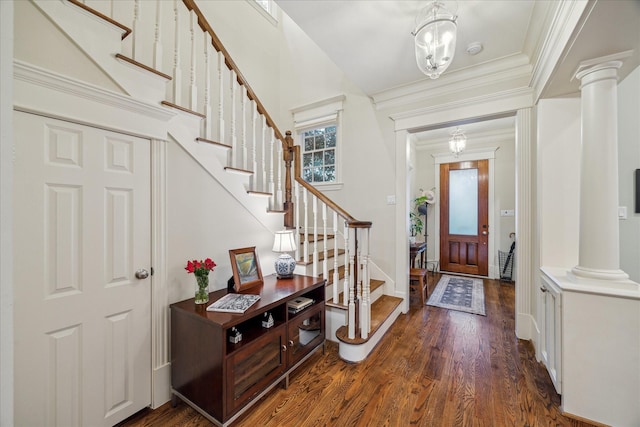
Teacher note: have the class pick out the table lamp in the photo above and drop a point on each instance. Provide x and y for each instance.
(284, 243)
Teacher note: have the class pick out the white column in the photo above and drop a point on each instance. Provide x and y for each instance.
(599, 251)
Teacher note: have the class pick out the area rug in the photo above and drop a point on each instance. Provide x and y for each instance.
(459, 293)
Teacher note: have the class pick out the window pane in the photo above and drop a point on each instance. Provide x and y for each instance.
(317, 174)
(319, 142)
(317, 158)
(306, 175)
(306, 159)
(329, 174)
(463, 202)
(330, 129)
(308, 143)
(329, 157)
(330, 139)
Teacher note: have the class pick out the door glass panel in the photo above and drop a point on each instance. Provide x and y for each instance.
(463, 202)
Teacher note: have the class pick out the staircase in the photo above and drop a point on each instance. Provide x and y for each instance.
(166, 54)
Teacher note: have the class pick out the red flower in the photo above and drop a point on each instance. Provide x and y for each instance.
(199, 267)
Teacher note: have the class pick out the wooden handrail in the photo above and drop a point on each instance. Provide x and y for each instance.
(217, 44)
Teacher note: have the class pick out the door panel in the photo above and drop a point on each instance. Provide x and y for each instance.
(81, 209)
(464, 228)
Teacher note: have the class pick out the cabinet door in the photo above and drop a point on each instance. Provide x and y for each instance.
(254, 367)
(551, 334)
(306, 331)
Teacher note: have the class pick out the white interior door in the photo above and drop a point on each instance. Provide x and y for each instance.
(82, 318)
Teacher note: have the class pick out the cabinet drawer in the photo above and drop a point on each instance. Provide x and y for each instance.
(250, 370)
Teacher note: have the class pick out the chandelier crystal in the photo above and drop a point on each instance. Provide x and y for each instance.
(458, 141)
(435, 39)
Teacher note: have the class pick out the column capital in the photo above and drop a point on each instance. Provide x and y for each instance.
(613, 61)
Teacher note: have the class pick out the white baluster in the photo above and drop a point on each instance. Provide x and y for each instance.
(177, 72)
(280, 202)
(352, 305)
(345, 286)
(221, 100)
(365, 305)
(296, 214)
(136, 39)
(243, 138)
(263, 159)
(254, 141)
(325, 252)
(305, 229)
(314, 210)
(157, 43)
(208, 124)
(336, 273)
(193, 89)
(234, 140)
(271, 189)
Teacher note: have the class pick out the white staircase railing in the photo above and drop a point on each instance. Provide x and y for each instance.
(166, 35)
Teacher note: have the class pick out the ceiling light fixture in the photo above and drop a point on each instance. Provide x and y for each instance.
(435, 39)
(458, 141)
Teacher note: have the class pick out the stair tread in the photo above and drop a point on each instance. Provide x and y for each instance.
(373, 284)
(330, 254)
(381, 309)
(143, 66)
(212, 142)
(320, 237)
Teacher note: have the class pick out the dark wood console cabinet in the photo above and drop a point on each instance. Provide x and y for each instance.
(221, 379)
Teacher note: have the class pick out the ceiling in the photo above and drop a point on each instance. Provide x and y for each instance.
(371, 41)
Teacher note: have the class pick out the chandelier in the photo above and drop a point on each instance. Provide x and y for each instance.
(435, 39)
(458, 141)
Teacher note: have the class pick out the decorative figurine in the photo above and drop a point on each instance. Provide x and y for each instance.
(267, 320)
(235, 336)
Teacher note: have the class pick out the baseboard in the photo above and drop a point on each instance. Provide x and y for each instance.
(161, 386)
(525, 324)
(584, 420)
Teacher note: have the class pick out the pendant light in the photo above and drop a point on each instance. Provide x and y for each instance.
(435, 39)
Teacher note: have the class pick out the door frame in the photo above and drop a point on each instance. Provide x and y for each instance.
(485, 153)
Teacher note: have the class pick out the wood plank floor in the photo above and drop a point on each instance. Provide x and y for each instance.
(435, 367)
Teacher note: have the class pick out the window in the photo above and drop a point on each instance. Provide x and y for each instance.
(318, 129)
(268, 8)
(319, 155)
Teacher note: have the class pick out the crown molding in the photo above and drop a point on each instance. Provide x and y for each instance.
(566, 19)
(494, 135)
(507, 70)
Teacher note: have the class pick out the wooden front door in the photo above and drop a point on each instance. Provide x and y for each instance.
(82, 315)
(464, 227)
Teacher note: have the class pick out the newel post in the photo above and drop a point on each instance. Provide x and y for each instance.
(287, 155)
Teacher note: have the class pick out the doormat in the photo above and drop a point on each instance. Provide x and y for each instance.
(459, 293)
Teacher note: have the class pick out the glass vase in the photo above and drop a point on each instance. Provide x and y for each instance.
(202, 288)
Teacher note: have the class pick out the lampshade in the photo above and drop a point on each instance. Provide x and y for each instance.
(284, 241)
(435, 39)
(458, 141)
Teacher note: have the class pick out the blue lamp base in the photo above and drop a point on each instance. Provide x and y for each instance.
(285, 264)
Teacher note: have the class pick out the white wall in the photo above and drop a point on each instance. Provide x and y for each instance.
(558, 153)
(6, 224)
(205, 221)
(629, 161)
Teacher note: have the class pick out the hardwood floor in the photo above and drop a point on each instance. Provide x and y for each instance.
(435, 367)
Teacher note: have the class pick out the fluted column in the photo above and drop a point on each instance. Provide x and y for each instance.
(599, 251)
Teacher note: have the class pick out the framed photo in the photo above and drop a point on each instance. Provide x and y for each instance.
(246, 269)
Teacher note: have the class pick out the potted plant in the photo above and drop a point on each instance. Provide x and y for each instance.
(416, 226)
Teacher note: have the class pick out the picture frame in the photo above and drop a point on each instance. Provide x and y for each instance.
(246, 268)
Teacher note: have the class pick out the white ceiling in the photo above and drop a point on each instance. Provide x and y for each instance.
(371, 41)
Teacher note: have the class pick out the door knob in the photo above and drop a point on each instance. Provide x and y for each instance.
(484, 233)
(142, 274)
